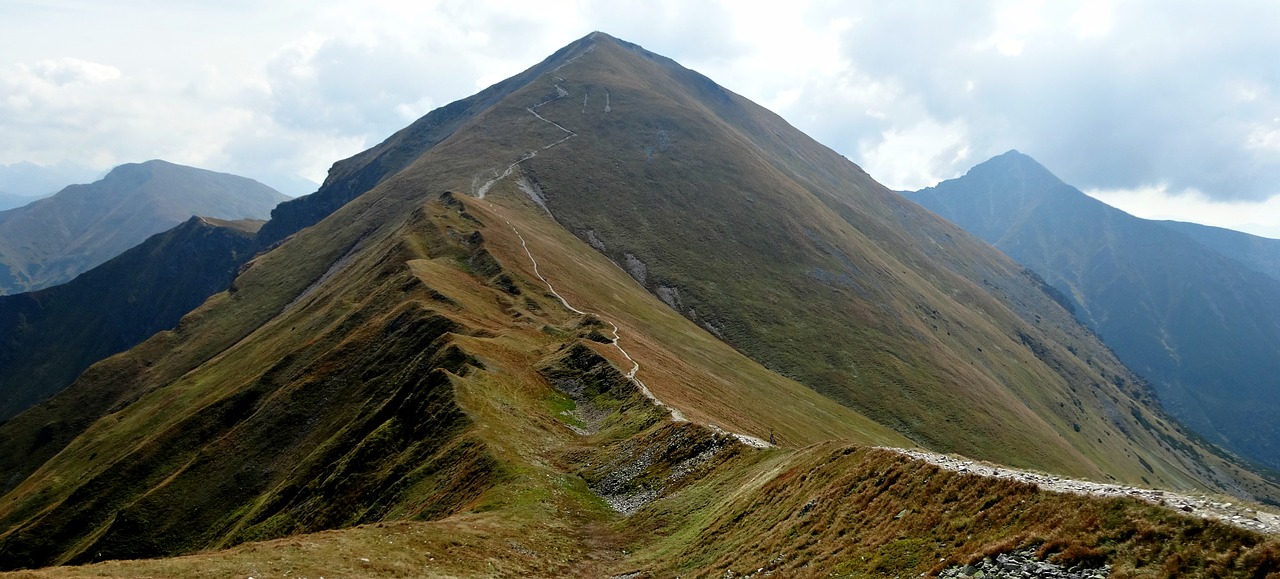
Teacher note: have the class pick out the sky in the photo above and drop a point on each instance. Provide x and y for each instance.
(1167, 109)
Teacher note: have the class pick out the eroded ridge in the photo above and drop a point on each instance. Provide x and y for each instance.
(676, 415)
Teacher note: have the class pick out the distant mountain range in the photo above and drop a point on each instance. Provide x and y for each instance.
(52, 240)
(1193, 309)
(9, 200)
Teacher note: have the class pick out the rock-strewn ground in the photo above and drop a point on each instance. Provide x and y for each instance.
(1021, 565)
(1240, 515)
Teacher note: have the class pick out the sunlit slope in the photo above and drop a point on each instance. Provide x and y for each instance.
(825, 511)
(344, 406)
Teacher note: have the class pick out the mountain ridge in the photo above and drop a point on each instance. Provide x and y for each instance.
(10, 200)
(35, 181)
(796, 156)
(1261, 254)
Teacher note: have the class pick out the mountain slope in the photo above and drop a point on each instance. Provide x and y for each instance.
(1260, 254)
(799, 259)
(1203, 328)
(421, 354)
(47, 351)
(341, 365)
(53, 240)
(827, 510)
(51, 335)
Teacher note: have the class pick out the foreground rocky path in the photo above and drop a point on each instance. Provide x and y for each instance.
(1022, 564)
(1232, 513)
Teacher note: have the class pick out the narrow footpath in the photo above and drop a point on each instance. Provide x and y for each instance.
(1231, 513)
(616, 340)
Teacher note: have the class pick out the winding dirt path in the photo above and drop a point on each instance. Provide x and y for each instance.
(616, 340)
(676, 415)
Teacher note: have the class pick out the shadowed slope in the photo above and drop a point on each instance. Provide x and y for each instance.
(1261, 254)
(52, 335)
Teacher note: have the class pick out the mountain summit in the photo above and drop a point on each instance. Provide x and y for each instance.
(52, 240)
(612, 305)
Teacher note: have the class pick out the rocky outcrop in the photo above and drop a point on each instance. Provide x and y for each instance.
(1022, 565)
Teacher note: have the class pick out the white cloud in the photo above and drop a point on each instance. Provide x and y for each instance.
(1094, 18)
(917, 156)
(1159, 202)
(66, 71)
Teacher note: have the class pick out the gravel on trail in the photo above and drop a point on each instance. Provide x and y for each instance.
(1226, 511)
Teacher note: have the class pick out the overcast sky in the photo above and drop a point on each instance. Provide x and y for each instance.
(1168, 109)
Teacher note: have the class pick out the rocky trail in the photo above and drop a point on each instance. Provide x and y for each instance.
(1022, 564)
(1230, 512)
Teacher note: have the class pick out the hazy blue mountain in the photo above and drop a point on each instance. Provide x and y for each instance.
(53, 240)
(1203, 328)
(9, 200)
(289, 184)
(26, 179)
(1261, 254)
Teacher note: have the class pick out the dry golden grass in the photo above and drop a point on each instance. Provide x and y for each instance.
(842, 511)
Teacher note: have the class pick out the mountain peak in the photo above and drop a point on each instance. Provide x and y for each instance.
(134, 173)
(53, 240)
(1004, 189)
(1013, 177)
(1016, 162)
(147, 168)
